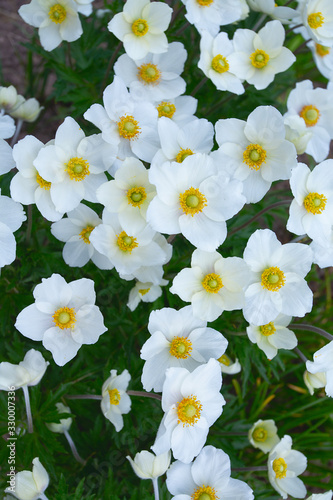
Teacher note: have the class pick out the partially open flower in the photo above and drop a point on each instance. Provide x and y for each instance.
(30, 485)
(148, 466)
(263, 435)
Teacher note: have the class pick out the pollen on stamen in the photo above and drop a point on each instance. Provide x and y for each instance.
(316, 20)
(268, 329)
(225, 360)
(149, 74)
(85, 234)
(128, 127)
(254, 156)
(259, 59)
(192, 201)
(220, 64)
(315, 203)
(136, 196)
(180, 347)
(310, 115)
(204, 493)
(140, 27)
(77, 169)
(114, 396)
(166, 109)
(189, 410)
(259, 434)
(280, 468)
(57, 13)
(205, 3)
(183, 153)
(126, 243)
(272, 279)
(64, 317)
(212, 283)
(42, 182)
(321, 50)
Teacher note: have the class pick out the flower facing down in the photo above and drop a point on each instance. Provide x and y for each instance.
(28, 372)
(64, 317)
(284, 465)
(192, 402)
(30, 485)
(148, 466)
(207, 478)
(263, 435)
(322, 363)
(115, 401)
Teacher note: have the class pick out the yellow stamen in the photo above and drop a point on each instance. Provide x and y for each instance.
(128, 127)
(42, 182)
(204, 493)
(315, 203)
(321, 50)
(143, 291)
(183, 153)
(114, 396)
(205, 3)
(316, 20)
(273, 279)
(259, 434)
(189, 410)
(212, 283)
(85, 234)
(64, 317)
(140, 27)
(77, 168)
(220, 64)
(254, 156)
(259, 59)
(192, 201)
(310, 115)
(57, 13)
(280, 468)
(180, 347)
(149, 73)
(126, 243)
(268, 329)
(166, 109)
(136, 196)
(225, 360)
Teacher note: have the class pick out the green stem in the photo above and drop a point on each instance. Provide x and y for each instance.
(110, 66)
(300, 354)
(198, 87)
(264, 210)
(84, 396)
(259, 22)
(311, 328)
(249, 469)
(144, 394)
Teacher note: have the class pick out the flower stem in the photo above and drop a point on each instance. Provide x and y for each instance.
(73, 448)
(248, 469)
(314, 329)
(84, 396)
(198, 87)
(28, 408)
(259, 22)
(294, 28)
(17, 132)
(144, 394)
(155, 484)
(42, 496)
(110, 66)
(264, 210)
(300, 354)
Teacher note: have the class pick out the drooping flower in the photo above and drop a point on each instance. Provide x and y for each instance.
(263, 435)
(145, 292)
(179, 110)
(322, 363)
(314, 380)
(228, 366)
(148, 466)
(30, 485)
(115, 401)
(269, 7)
(11, 218)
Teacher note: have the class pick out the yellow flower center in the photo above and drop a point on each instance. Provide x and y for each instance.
(205, 3)
(204, 493)
(220, 64)
(149, 73)
(259, 434)
(272, 279)
(212, 283)
(57, 13)
(140, 27)
(85, 234)
(114, 397)
(268, 329)
(315, 20)
(136, 196)
(310, 115)
(192, 201)
(321, 50)
(180, 347)
(166, 109)
(64, 317)
(128, 127)
(42, 182)
(280, 468)
(143, 291)
(77, 168)
(183, 153)
(126, 243)
(254, 156)
(315, 203)
(225, 360)
(189, 410)
(259, 58)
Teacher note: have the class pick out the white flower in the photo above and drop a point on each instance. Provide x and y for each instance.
(85, 7)
(297, 132)
(177, 339)
(323, 57)
(27, 186)
(192, 402)
(314, 380)
(322, 362)
(11, 218)
(74, 164)
(115, 401)
(258, 57)
(148, 466)
(273, 336)
(212, 284)
(208, 477)
(256, 151)
(7, 126)
(315, 106)
(195, 200)
(284, 465)
(321, 496)
(27, 373)
(179, 110)
(140, 26)
(64, 424)
(6, 157)
(311, 211)
(156, 76)
(27, 111)
(263, 435)
(317, 18)
(214, 62)
(64, 317)
(278, 284)
(57, 20)
(75, 232)
(30, 485)
(228, 366)
(145, 292)
(283, 14)
(323, 251)
(8, 97)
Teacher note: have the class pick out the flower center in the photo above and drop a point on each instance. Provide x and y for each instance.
(149, 73)
(280, 468)
(204, 493)
(212, 283)
(259, 434)
(143, 291)
(42, 182)
(315, 20)
(220, 64)
(192, 201)
(268, 329)
(259, 58)
(180, 347)
(85, 234)
(272, 279)
(126, 243)
(77, 168)
(140, 27)
(166, 109)
(310, 115)
(64, 317)
(204, 3)
(136, 196)
(114, 397)
(189, 410)
(225, 360)
(128, 127)
(254, 156)
(315, 203)
(57, 13)
(321, 50)
(183, 153)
